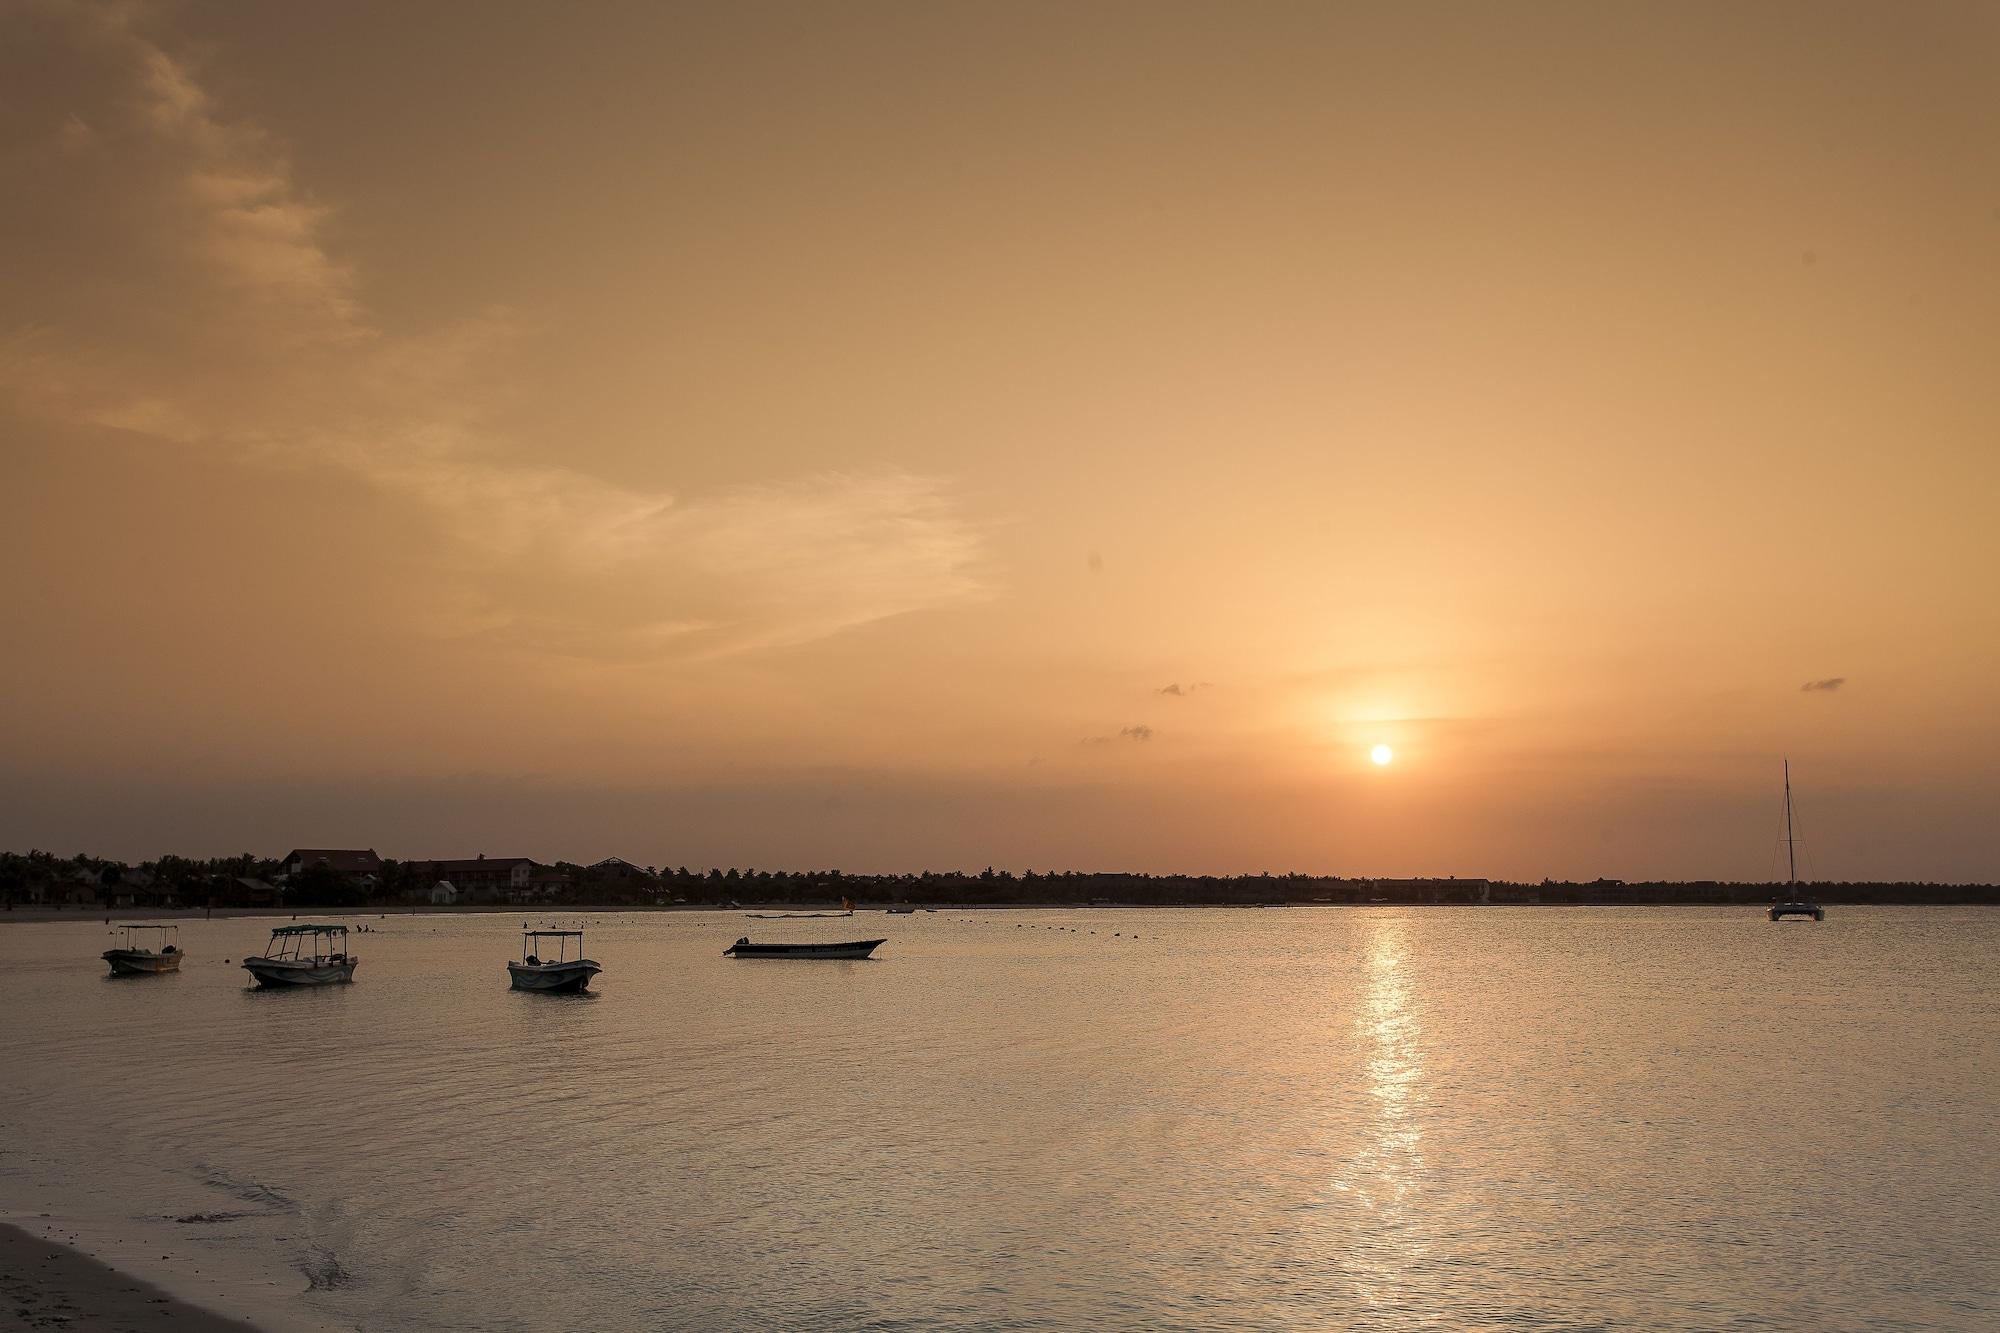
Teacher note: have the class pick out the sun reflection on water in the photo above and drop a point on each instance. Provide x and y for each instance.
(1382, 1179)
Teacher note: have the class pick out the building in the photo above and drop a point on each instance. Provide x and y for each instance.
(342, 861)
(618, 868)
(249, 891)
(492, 879)
(1452, 890)
(443, 894)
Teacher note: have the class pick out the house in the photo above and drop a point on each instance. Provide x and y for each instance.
(138, 888)
(342, 861)
(82, 887)
(249, 891)
(617, 867)
(443, 894)
(1452, 890)
(483, 878)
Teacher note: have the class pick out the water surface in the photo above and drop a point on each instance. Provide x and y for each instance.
(1360, 1118)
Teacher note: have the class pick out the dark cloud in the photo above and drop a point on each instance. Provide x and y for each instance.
(1137, 732)
(1180, 691)
(1830, 684)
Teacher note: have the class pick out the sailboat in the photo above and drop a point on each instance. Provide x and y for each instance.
(1793, 905)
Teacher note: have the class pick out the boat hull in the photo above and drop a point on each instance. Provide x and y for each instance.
(571, 978)
(849, 949)
(1780, 911)
(141, 962)
(292, 972)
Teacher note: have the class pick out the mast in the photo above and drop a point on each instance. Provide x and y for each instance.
(1791, 856)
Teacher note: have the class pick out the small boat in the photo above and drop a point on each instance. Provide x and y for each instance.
(559, 975)
(133, 959)
(899, 911)
(743, 948)
(1793, 905)
(285, 961)
(1779, 911)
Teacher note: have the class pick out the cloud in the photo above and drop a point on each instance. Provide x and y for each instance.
(1827, 686)
(1139, 732)
(1180, 691)
(177, 283)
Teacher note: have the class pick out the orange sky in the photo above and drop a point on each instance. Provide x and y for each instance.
(817, 435)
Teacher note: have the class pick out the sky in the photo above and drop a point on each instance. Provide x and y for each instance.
(1049, 436)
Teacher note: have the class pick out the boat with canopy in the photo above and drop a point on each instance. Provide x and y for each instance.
(287, 962)
(559, 975)
(145, 951)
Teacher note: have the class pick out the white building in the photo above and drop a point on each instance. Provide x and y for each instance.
(443, 894)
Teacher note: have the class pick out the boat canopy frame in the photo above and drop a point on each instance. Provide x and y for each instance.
(127, 928)
(531, 952)
(289, 942)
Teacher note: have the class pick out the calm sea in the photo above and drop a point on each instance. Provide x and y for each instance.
(1248, 1119)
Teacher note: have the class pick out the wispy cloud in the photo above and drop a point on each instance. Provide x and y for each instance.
(1180, 691)
(208, 310)
(1827, 686)
(1139, 732)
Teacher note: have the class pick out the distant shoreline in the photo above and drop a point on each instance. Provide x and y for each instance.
(47, 1284)
(549, 911)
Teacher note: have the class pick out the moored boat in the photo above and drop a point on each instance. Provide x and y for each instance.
(133, 959)
(1793, 905)
(285, 961)
(743, 948)
(559, 975)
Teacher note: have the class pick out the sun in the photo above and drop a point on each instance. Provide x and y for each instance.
(1382, 754)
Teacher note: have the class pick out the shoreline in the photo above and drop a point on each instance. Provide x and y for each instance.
(47, 1283)
(550, 911)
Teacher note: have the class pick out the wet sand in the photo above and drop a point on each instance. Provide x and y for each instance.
(45, 1285)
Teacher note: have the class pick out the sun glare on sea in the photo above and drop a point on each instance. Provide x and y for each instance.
(1382, 754)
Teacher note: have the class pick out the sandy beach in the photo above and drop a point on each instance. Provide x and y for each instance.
(47, 1285)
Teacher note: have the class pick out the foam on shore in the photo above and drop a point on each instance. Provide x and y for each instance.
(45, 1283)
(205, 1266)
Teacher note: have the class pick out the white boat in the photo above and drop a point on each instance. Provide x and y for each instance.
(133, 959)
(285, 961)
(561, 974)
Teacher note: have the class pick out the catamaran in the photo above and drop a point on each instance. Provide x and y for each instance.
(133, 958)
(1793, 905)
(559, 974)
(285, 961)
